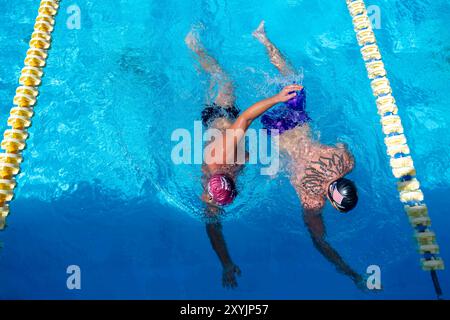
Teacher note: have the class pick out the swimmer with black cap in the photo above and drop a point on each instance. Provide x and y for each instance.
(316, 171)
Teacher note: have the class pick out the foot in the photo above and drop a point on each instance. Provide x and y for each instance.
(361, 284)
(260, 32)
(192, 41)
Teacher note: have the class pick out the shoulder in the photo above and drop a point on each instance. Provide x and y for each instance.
(311, 193)
(345, 159)
(312, 199)
(312, 202)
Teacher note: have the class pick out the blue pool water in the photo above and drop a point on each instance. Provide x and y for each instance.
(98, 188)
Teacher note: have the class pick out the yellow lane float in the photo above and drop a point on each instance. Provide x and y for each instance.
(14, 139)
(400, 159)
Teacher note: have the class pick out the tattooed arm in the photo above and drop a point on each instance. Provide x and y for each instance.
(314, 222)
(312, 216)
(312, 190)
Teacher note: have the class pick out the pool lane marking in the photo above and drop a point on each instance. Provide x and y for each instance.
(14, 139)
(401, 161)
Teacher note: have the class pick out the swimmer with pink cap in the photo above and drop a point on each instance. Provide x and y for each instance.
(221, 167)
(221, 189)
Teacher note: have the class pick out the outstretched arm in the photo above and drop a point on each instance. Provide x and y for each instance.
(316, 228)
(237, 130)
(214, 230)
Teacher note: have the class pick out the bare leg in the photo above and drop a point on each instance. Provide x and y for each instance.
(276, 57)
(225, 95)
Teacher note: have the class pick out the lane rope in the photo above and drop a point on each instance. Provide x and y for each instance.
(397, 148)
(14, 139)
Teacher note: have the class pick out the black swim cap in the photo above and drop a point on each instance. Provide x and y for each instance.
(349, 193)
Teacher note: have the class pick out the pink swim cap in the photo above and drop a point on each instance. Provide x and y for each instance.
(222, 189)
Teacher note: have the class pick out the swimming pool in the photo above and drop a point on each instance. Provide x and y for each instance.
(98, 188)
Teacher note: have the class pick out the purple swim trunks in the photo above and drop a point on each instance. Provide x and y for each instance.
(287, 116)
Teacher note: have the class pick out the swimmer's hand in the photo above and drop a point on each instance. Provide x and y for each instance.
(361, 283)
(288, 93)
(229, 276)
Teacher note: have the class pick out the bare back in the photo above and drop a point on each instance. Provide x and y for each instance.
(232, 168)
(313, 165)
